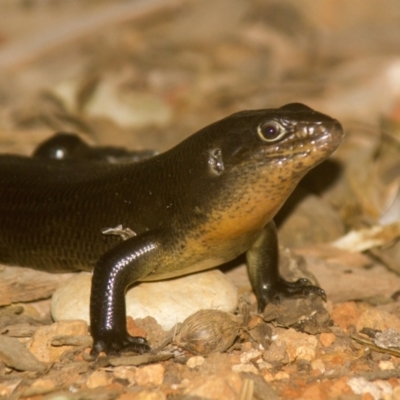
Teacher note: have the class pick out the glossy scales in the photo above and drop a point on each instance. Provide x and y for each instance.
(202, 203)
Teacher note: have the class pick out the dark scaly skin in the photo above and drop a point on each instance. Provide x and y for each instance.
(198, 205)
(68, 146)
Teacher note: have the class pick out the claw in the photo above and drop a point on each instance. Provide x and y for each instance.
(321, 293)
(303, 281)
(284, 289)
(114, 345)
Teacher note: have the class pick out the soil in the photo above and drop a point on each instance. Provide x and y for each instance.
(145, 75)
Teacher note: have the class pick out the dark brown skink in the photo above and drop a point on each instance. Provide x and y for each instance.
(198, 205)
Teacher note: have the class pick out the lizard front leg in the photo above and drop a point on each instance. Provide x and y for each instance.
(121, 266)
(263, 268)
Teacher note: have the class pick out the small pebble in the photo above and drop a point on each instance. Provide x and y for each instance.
(195, 361)
(327, 339)
(385, 365)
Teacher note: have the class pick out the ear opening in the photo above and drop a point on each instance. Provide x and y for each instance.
(216, 162)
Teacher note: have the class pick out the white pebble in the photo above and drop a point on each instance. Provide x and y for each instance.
(169, 302)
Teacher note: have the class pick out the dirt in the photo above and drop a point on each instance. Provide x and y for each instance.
(145, 75)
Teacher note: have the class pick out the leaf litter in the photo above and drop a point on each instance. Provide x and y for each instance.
(146, 76)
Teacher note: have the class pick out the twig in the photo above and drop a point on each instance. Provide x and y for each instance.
(16, 54)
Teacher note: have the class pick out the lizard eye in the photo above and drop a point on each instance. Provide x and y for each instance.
(270, 131)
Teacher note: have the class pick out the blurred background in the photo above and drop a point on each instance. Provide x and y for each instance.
(146, 74)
